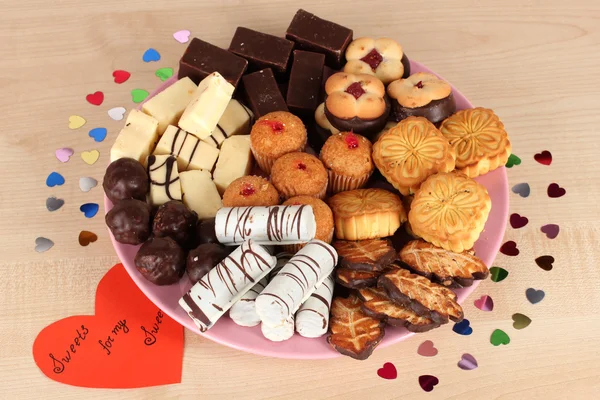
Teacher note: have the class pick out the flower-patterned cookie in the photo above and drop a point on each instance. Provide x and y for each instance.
(422, 95)
(356, 103)
(479, 139)
(381, 57)
(410, 152)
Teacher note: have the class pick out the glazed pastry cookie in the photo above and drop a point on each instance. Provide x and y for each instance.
(412, 151)
(450, 211)
(479, 139)
(356, 103)
(422, 95)
(381, 57)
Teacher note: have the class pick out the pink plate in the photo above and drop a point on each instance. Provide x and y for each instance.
(251, 339)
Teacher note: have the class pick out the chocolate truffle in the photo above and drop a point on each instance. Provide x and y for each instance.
(161, 261)
(175, 220)
(204, 233)
(125, 178)
(203, 258)
(129, 221)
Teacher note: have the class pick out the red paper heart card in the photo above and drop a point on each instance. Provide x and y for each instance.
(128, 343)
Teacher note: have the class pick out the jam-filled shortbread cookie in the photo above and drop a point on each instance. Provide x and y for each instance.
(356, 103)
(479, 138)
(412, 151)
(381, 57)
(450, 211)
(422, 95)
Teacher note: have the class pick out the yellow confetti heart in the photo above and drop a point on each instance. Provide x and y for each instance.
(76, 122)
(90, 157)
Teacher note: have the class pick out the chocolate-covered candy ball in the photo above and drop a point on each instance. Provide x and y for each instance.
(129, 221)
(203, 258)
(175, 220)
(161, 261)
(125, 178)
(205, 233)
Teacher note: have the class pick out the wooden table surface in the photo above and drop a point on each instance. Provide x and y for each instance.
(534, 62)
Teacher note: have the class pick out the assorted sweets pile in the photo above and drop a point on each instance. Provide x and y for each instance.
(309, 184)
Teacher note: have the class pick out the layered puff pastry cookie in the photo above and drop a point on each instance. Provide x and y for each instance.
(450, 211)
(479, 139)
(381, 57)
(422, 95)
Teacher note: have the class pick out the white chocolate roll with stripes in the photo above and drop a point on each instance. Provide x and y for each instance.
(312, 318)
(278, 333)
(295, 282)
(226, 283)
(265, 225)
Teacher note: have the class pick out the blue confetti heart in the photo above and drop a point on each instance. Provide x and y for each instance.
(98, 134)
(463, 328)
(151, 55)
(55, 179)
(89, 209)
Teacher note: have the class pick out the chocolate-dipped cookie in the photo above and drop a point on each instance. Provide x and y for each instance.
(129, 221)
(203, 258)
(356, 103)
(175, 220)
(160, 260)
(381, 57)
(421, 95)
(125, 178)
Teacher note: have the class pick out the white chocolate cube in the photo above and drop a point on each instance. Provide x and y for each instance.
(234, 161)
(236, 120)
(191, 152)
(164, 180)
(200, 193)
(210, 100)
(168, 105)
(137, 139)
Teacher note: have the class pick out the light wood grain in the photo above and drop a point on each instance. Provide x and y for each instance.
(535, 63)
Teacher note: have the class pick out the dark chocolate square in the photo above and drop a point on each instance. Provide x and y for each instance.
(262, 50)
(202, 59)
(305, 82)
(262, 93)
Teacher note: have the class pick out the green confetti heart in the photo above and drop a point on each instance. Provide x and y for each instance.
(139, 95)
(513, 160)
(498, 274)
(499, 337)
(164, 73)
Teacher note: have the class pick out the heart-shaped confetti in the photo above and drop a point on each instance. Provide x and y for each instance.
(76, 122)
(555, 191)
(95, 98)
(427, 349)
(427, 382)
(117, 113)
(98, 134)
(545, 157)
(164, 73)
(463, 327)
(499, 337)
(64, 154)
(55, 179)
(388, 371)
(139, 95)
(467, 362)
(498, 274)
(151, 55)
(485, 303)
(520, 321)
(90, 157)
(509, 249)
(551, 230)
(534, 296)
(86, 183)
(522, 189)
(513, 160)
(545, 262)
(120, 76)
(89, 209)
(53, 203)
(517, 221)
(43, 244)
(87, 237)
(182, 36)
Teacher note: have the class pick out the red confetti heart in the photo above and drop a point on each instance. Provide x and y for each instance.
(555, 191)
(509, 248)
(551, 230)
(388, 371)
(517, 221)
(427, 382)
(545, 157)
(95, 98)
(427, 349)
(121, 76)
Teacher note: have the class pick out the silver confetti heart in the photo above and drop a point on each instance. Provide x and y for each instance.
(86, 184)
(53, 203)
(43, 244)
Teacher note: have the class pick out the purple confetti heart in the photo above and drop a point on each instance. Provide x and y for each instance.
(551, 230)
(485, 303)
(467, 362)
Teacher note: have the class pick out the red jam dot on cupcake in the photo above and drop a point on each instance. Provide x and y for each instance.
(355, 90)
(276, 126)
(419, 85)
(247, 190)
(301, 166)
(351, 140)
(373, 59)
